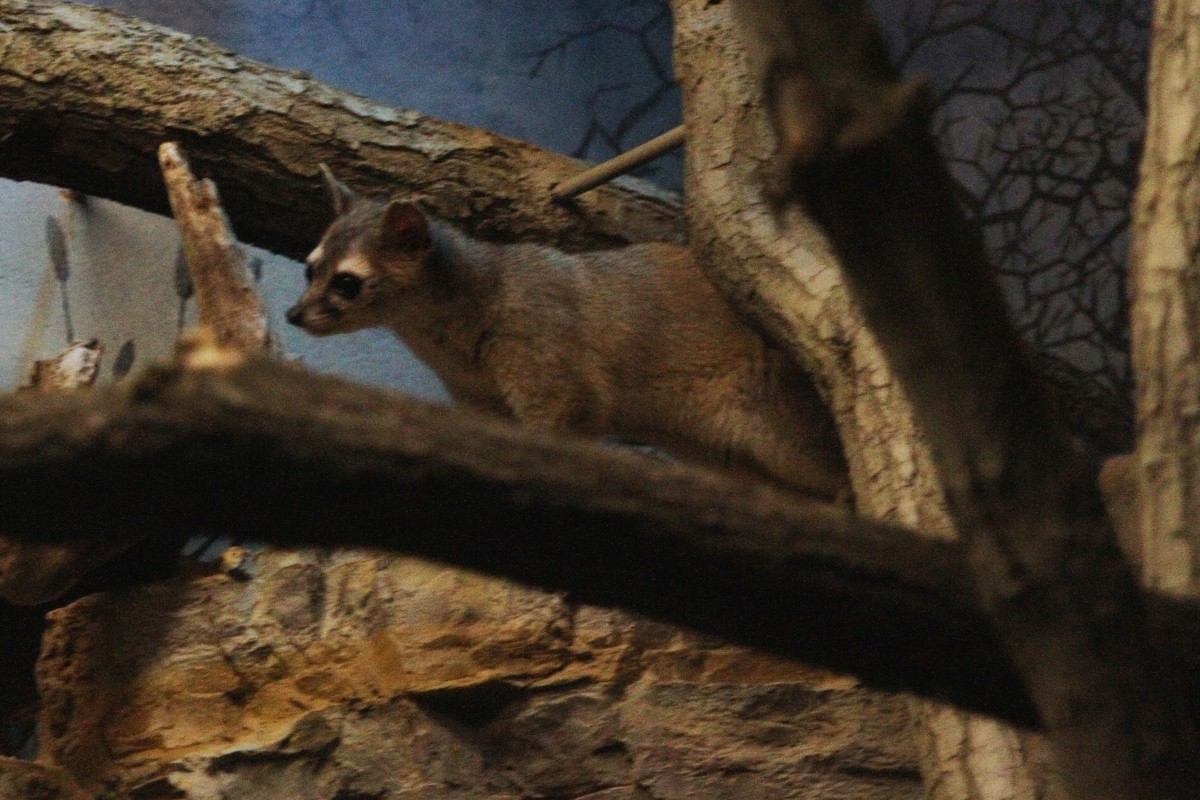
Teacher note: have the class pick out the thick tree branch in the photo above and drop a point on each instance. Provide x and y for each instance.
(262, 449)
(855, 149)
(89, 95)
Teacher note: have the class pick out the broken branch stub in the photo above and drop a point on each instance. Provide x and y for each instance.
(226, 299)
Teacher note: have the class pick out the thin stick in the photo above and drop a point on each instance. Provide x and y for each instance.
(627, 161)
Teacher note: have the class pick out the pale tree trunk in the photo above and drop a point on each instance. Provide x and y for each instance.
(1166, 297)
(788, 281)
(970, 757)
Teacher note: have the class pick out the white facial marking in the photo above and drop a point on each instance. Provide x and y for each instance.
(316, 255)
(355, 264)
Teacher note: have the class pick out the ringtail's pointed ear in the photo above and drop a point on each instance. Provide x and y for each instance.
(341, 196)
(405, 227)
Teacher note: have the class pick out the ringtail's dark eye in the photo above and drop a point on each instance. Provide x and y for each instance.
(308, 273)
(346, 285)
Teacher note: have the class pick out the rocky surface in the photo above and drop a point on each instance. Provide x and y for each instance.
(24, 780)
(353, 675)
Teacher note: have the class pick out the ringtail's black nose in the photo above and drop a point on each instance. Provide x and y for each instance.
(295, 315)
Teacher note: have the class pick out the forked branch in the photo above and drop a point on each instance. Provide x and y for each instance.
(856, 151)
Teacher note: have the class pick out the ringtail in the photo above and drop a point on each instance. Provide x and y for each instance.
(633, 343)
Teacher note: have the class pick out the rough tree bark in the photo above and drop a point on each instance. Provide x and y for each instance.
(89, 95)
(855, 149)
(790, 283)
(1166, 322)
(810, 581)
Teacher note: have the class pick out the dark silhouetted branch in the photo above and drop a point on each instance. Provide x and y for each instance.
(856, 151)
(261, 449)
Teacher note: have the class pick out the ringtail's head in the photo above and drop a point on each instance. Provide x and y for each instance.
(371, 256)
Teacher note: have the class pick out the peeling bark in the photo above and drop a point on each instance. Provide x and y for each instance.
(74, 367)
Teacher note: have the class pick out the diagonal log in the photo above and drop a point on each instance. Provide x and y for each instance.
(263, 449)
(88, 96)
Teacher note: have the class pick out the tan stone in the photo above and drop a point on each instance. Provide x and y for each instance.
(306, 675)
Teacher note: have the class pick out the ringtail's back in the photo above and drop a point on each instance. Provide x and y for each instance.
(633, 342)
